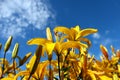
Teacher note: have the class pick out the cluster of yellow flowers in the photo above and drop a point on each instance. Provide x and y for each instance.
(71, 59)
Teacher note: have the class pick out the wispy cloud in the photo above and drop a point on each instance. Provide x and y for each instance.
(17, 16)
(96, 35)
(106, 41)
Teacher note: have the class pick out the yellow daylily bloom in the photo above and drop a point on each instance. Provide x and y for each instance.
(80, 33)
(75, 34)
(47, 44)
(69, 39)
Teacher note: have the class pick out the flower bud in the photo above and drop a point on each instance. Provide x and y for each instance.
(7, 44)
(15, 50)
(118, 53)
(104, 51)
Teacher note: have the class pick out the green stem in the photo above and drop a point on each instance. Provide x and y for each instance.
(59, 66)
(14, 66)
(50, 73)
(3, 62)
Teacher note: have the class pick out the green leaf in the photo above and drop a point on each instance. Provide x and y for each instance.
(66, 68)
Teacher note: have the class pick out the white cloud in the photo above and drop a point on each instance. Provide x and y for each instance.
(107, 41)
(96, 35)
(16, 16)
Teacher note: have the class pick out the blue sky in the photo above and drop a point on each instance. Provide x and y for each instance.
(26, 19)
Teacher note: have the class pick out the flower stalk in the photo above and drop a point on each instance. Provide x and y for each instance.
(59, 66)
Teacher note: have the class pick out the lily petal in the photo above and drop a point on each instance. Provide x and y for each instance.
(72, 44)
(86, 32)
(64, 30)
(85, 40)
(38, 41)
(7, 79)
(77, 28)
(48, 33)
(49, 48)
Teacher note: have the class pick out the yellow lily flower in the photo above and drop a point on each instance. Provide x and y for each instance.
(75, 34)
(47, 43)
(74, 38)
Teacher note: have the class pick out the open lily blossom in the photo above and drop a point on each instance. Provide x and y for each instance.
(76, 34)
(71, 60)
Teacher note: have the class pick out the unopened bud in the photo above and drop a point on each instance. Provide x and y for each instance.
(118, 53)
(7, 44)
(15, 50)
(104, 51)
